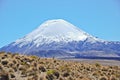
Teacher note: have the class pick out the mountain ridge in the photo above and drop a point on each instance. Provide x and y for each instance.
(60, 38)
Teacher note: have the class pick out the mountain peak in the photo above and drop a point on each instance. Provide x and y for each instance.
(55, 20)
(56, 23)
(57, 30)
(60, 38)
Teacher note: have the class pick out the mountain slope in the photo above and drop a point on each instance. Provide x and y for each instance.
(54, 31)
(60, 38)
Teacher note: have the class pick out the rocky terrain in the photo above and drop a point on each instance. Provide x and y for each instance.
(22, 67)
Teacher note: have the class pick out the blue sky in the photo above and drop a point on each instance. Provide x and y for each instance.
(100, 18)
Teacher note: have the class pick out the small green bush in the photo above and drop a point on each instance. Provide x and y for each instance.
(50, 72)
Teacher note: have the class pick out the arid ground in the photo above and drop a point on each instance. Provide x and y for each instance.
(22, 67)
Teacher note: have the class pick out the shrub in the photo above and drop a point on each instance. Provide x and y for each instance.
(12, 76)
(53, 72)
(30, 73)
(55, 61)
(21, 68)
(1, 67)
(4, 77)
(23, 74)
(103, 78)
(5, 62)
(41, 68)
(56, 74)
(11, 70)
(10, 64)
(15, 68)
(23, 63)
(34, 57)
(3, 57)
(50, 77)
(70, 78)
(117, 75)
(97, 65)
(14, 62)
(66, 74)
(50, 72)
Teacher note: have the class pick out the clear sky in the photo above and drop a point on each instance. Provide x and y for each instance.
(100, 18)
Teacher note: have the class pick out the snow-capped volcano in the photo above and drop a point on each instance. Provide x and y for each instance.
(54, 31)
(60, 38)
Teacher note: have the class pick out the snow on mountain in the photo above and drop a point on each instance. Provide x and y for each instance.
(60, 38)
(55, 30)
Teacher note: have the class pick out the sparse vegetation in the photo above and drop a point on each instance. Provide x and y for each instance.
(22, 67)
(97, 65)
